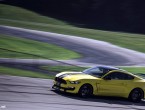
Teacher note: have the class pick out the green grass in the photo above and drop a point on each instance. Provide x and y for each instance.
(134, 69)
(16, 13)
(23, 73)
(23, 48)
(62, 68)
(27, 19)
(75, 68)
(16, 47)
(140, 71)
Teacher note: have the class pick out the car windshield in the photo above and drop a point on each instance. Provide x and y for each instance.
(97, 71)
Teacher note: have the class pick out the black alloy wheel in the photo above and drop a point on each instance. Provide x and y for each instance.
(86, 90)
(136, 95)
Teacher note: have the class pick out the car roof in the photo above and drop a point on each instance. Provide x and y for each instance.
(108, 67)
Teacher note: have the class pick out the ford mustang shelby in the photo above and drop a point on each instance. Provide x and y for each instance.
(102, 81)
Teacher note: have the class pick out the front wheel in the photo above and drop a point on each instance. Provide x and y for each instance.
(136, 95)
(86, 90)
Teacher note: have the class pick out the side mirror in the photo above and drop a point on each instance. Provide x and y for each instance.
(107, 78)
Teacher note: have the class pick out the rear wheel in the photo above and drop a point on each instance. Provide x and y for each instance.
(136, 95)
(86, 90)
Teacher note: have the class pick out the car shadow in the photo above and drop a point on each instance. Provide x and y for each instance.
(103, 99)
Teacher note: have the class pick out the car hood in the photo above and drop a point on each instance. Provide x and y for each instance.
(72, 76)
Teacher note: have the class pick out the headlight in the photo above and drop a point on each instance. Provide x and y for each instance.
(74, 82)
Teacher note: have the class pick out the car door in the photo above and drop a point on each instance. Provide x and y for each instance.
(114, 84)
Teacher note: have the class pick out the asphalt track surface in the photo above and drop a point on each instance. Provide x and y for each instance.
(20, 93)
(93, 51)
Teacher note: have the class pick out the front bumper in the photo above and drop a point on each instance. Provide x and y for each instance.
(70, 88)
(65, 89)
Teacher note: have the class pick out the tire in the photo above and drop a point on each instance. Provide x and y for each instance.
(86, 91)
(136, 95)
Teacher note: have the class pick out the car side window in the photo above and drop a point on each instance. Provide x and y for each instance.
(119, 76)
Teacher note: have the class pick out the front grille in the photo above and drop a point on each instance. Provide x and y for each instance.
(60, 80)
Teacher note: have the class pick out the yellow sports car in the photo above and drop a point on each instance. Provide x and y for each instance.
(102, 81)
